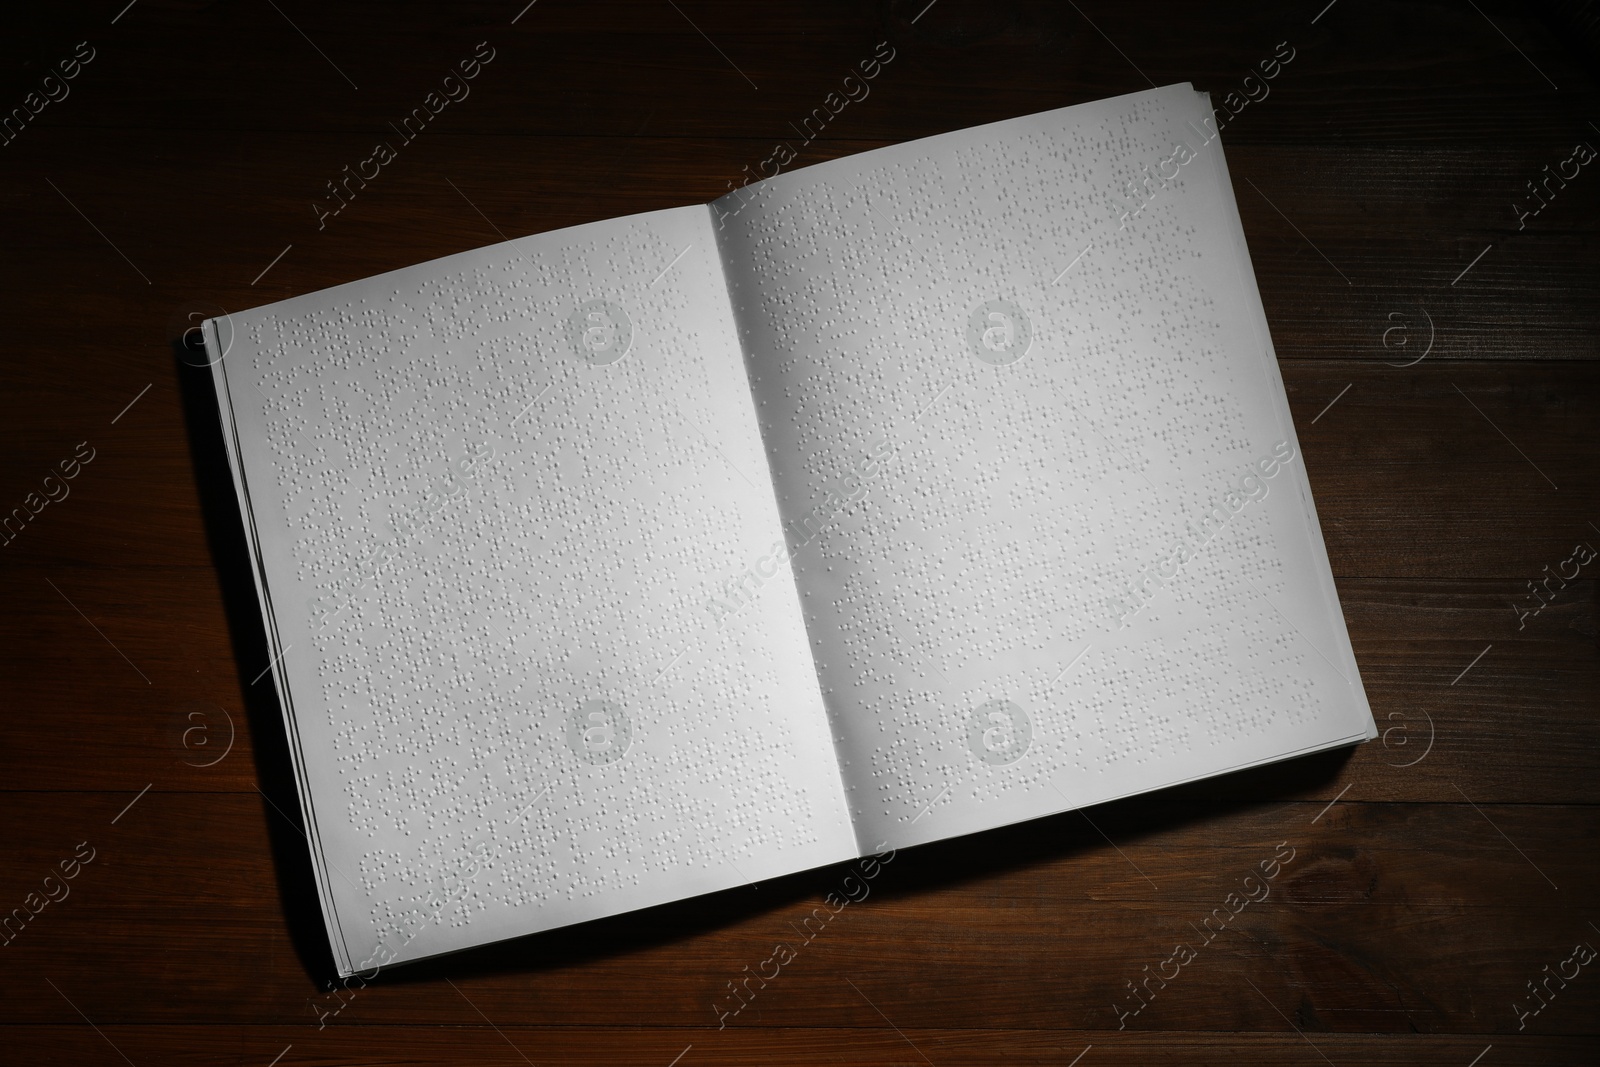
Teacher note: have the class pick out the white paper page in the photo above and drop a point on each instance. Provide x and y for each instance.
(995, 393)
(490, 495)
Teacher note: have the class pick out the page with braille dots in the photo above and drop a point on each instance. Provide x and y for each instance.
(501, 504)
(1052, 533)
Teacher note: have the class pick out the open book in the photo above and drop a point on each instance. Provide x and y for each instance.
(903, 496)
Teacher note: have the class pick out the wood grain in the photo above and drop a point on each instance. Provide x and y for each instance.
(1441, 364)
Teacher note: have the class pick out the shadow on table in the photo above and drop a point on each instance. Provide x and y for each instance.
(230, 552)
(914, 871)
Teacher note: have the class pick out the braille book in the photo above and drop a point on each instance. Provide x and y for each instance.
(891, 499)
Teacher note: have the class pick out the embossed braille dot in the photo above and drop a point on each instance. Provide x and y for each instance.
(599, 732)
(999, 332)
(600, 332)
(999, 732)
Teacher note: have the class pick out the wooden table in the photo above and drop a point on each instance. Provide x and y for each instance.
(1441, 361)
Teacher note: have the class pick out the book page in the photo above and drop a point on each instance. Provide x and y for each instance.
(1042, 492)
(488, 497)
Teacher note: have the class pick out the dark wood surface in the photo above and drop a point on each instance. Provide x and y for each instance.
(1436, 872)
